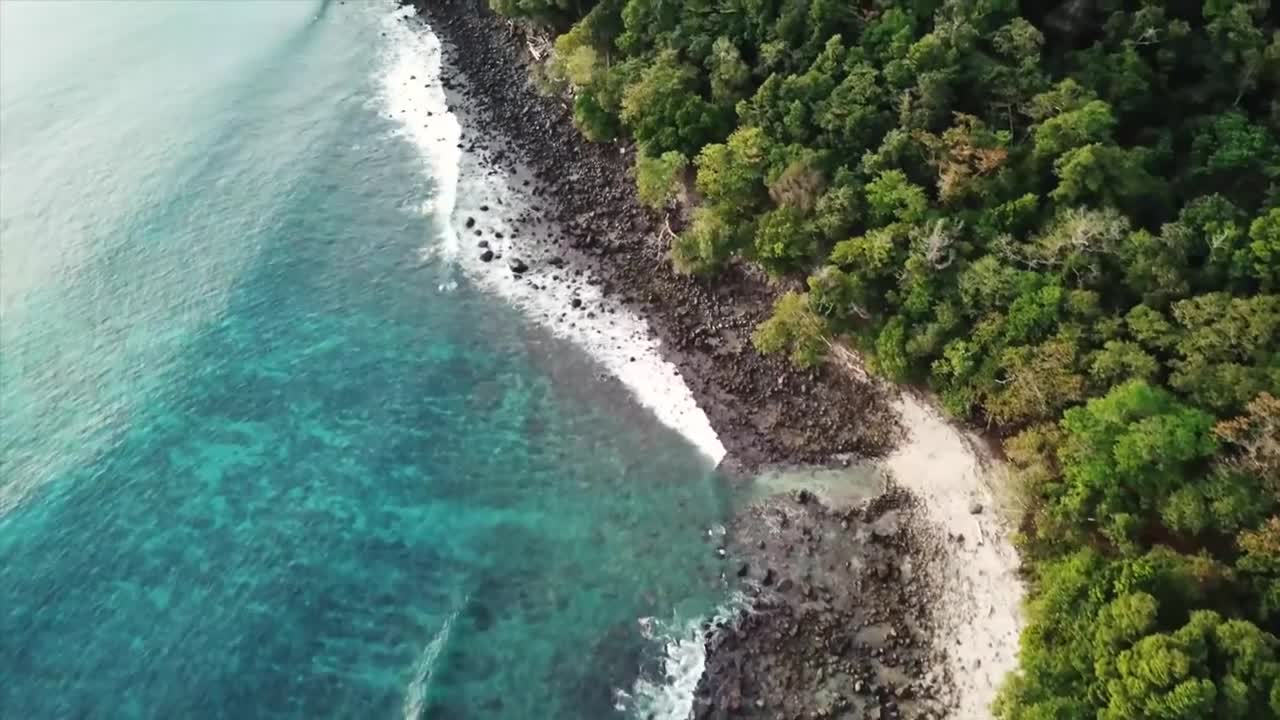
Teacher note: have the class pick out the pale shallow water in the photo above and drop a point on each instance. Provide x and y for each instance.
(260, 459)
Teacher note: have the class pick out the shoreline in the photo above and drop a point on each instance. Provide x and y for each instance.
(764, 411)
(488, 211)
(577, 207)
(962, 493)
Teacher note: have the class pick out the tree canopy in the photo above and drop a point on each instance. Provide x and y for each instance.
(1064, 218)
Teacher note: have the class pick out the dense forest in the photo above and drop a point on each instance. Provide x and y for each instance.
(1064, 218)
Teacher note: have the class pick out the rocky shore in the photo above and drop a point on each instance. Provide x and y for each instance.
(848, 603)
(763, 409)
(841, 621)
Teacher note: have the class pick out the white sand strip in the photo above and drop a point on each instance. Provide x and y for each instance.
(980, 616)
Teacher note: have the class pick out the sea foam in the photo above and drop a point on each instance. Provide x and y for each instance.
(424, 668)
(620, 341)
(670, 696)
(413, 95)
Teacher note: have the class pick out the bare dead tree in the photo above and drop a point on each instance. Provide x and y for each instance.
(1076, 241)
(937, 239)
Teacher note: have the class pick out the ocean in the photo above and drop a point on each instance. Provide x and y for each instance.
(273, 444)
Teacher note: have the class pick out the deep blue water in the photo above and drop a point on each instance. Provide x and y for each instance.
(255, 463)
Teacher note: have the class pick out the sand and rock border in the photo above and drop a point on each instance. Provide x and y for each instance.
(851, 614)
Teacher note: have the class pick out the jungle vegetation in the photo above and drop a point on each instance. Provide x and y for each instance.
(1061, 216)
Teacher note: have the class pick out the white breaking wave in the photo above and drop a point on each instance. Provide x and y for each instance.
(415, 696)
(619, 340)
(684, 660)
(413, 94)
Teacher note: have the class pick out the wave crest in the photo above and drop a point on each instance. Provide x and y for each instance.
(670, 695)
(413, 95)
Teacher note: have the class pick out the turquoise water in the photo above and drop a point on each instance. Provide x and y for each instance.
(255, 463)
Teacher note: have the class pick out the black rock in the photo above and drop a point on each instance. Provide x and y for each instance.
(556, 261)
(483, 244)
(575, 303)
(471, 222)
(517, 266)
(486, 256)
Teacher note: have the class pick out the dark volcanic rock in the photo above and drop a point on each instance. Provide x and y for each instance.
(518, 266)
(486, 256)
(763, 409)
(825, 637)
(839, 616)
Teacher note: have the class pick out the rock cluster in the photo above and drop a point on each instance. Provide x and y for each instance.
(839, 624)
(764, 409)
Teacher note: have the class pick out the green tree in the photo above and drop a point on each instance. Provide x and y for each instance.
(855, 113)
(554, 12)
(1086, 611)
(664, 111)
(1120, 361)
(659, 180)
(1216, 231)
(1089, 124)
(1157, 266)
(890, 356)
(1237, 56)
(644, 22)
(872, 258)
(795, 328)
(592, 119)
(1236, 155)
(1228, 349)
(728, 72)
(785, 240)
(1108, 175)
(1260, 564)
(1150, 328)
(574, 59)
(1209, 668)
(839, 210)
(1264, 250)
(799, 185)
(707, 244)
(1036, 382)
(732, 174)
(1124, 455)
(891, 197)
